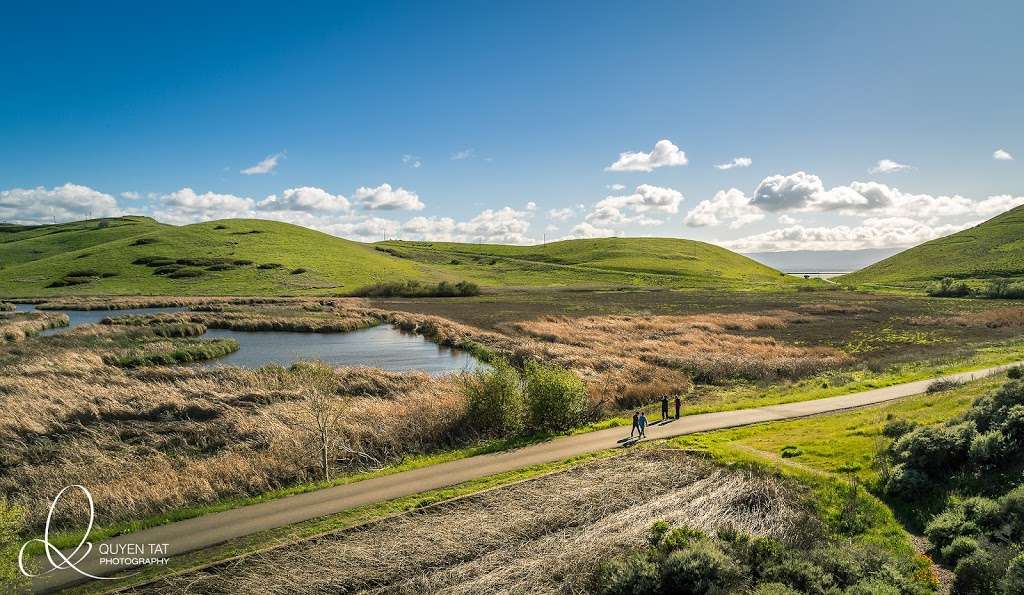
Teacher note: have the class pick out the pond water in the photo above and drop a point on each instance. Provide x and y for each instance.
(381, 346)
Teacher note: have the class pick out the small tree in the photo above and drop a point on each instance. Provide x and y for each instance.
(556, 397)
(323, 411)
(495, 399)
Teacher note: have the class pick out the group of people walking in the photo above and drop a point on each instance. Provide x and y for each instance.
(640, 418)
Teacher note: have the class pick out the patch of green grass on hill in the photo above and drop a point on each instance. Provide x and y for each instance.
(989, 250)
(138, 256)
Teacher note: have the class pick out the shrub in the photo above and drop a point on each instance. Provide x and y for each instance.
(241, 262)
(269, 265)
(947, 526)
(960, 547)
(186, 274)
(83, 273)
(144, 241)
(167, 269)
(556, 397)
(987, 449)
(700, 568)
(906, 482)
(220, 226)
(976, 574)
(298, 271)
(1005, 289)
(789, 451)
(935, 448)
(943, 384)
(221, 267)
(894, 428)
(495, 399)
(629, 576)
(948, 287)
(1013, 581)
(1015, 373)
(417, 289)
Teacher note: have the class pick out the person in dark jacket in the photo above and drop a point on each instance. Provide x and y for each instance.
(679, 404)
(664, 407)
(636, 423)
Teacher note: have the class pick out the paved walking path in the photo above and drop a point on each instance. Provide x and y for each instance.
(212, 529)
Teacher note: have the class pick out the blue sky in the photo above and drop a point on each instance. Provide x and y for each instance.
(516, 114)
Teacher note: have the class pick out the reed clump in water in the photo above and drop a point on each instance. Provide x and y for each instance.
(18, 327)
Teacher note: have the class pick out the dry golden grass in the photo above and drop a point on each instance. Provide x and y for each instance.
(1002, 317)
(129, 303)
(836, 309)
(147, 441)
(546, 535)
(16, 327)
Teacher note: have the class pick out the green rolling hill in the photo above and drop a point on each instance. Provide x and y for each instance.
(139, 256)
(992, 249)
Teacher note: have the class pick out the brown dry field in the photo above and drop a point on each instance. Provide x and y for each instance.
(153, 439)
(545, 535)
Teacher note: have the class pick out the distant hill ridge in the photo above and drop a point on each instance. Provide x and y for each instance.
(138, 255)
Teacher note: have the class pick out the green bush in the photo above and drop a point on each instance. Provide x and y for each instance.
(269, 265)
(894, 428)
(977, 574)
(417, 289)
(144, 241)
(700, 568)
(224, 266)
(1005, 289)
(1013, 581)
(186, 274)
(555, 397)
(298, 271)
(1015, 373)
(684, 560)
(790, 451)
(948, 287)
(496, 406)
(960, 547)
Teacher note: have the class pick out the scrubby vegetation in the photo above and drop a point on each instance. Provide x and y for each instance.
(7, 307)
(948, 287)
(417, 289)
(976, 457)
(175, 353)
(682, 560)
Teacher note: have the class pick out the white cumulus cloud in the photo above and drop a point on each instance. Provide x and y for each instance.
(185, 206)
(587, 230)
(730, 206)
(888, 166)
(69, 202)
(266, 166)
(892, 232)
(560, 214)
(1002, 155)
(384, 197)
(306, 198)
(736, 162)
(664, 154)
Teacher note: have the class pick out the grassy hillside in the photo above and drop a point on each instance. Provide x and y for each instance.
(992, 249)
(137, 255)
(664, 262)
